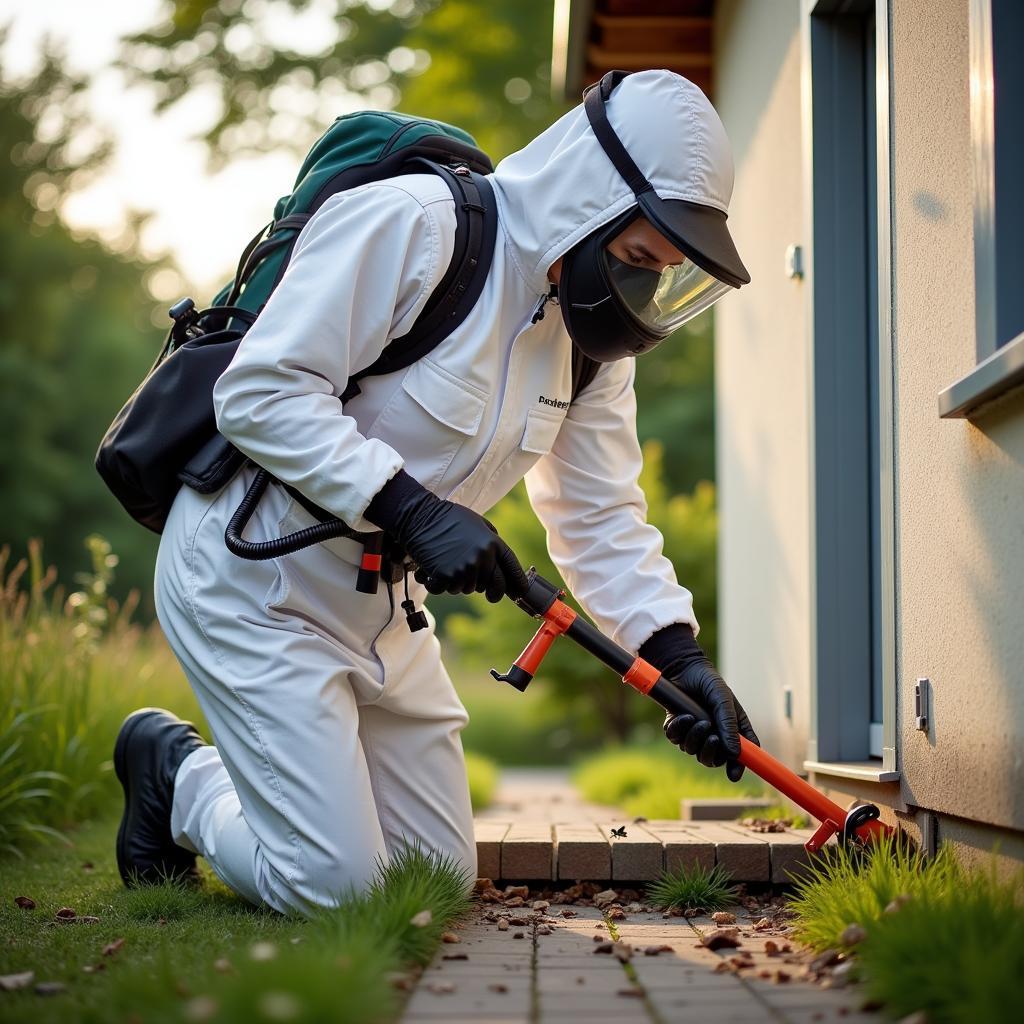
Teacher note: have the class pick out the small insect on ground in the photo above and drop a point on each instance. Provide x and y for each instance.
(620, 832)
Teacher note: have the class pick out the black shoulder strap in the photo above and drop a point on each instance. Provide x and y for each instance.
(584, 370)
(476, 229)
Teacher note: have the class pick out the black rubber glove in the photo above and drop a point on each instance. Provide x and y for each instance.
(456, 550)
(680, 659)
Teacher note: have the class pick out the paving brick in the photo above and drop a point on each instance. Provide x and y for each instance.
(527, 851)
(582, 851)
(744, 857)
(785, 850)
(489, 835)
(720, 808)
(638, 857)
(683, 849)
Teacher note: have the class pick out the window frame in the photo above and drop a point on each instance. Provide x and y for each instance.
(840, 725)
(1000, 366)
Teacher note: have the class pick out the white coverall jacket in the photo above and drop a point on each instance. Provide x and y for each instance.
(336, 728)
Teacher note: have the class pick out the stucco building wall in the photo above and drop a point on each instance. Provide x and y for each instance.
(761, 379)
(960, 485)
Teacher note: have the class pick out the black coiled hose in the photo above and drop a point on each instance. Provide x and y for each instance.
(262, 549)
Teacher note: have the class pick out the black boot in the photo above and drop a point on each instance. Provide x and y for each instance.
(151, 745)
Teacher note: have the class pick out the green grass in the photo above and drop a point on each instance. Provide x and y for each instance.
(694, 888)
(951, 943)
(958, 955)
(71, 668)
(651, 780)
(849, 888)
(203, 954)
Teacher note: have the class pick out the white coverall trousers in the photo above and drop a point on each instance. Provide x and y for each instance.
(336, 729)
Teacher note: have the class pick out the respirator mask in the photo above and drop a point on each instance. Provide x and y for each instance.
(613, 309)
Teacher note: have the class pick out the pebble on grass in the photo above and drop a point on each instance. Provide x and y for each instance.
(262, 951)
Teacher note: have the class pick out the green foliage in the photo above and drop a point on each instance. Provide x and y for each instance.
(75, 336)
(483, 779)
(847, 887)
(70, 670)
(483, 66)
(577, 691)
(204, 954)
(956, 953)
(650, 781)
(695, 888)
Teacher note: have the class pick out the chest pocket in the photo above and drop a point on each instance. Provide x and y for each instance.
(429, 419)
(542, 426)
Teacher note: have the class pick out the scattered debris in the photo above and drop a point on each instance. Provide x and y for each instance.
(88, 865)
(544, 929)
(634, 992)
(262, 951)
(640, 821)
(12, 982)
(422, 919)
(772, 948)
(763, 925)
(767, 824)
(441, 988)
(568, 913)
(515, 901)
(455, 956)
(635, 908)
(112, 947)
(540, 905)
(50, 988)
(25, 902)
(616, 913)
(483, 884)
(841, 975)
(93, 968)
(222, 965)
(503, 925)
(522, 891)
(655, 950)
(450, 937)
(402, 980)
(605, 898)
(516, 920)
(723, 917)
(823, 960)
(497, 986)
(65, 914)
(518, 935)
(603, 945)
(852, 934)
(721, 938)
(780, 976)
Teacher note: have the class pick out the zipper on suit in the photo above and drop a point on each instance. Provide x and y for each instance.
(552, 296)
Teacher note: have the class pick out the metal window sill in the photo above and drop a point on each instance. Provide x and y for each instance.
(862, 771)
(990, 379)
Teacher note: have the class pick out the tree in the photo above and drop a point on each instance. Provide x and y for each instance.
(574, 687)
(481, 65)
(75, 334)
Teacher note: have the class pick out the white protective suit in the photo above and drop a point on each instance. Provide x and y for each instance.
(336, 728)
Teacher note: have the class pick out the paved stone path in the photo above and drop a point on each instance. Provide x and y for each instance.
(540, 830)
(519, 965)
(546, 971)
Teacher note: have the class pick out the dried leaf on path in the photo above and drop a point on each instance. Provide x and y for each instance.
(25, 902)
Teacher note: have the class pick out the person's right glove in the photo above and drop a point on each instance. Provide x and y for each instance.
(675, 652)
(456, 550)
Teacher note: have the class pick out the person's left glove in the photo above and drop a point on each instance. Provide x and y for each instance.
(681, 660)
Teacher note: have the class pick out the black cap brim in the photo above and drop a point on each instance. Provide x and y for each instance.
(699, 232)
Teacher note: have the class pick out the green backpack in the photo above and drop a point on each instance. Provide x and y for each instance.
(166, 433)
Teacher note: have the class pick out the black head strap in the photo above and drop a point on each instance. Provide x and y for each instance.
(594, 99)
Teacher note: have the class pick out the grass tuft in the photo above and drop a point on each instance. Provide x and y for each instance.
(695, 888)
(846, 887)
(956, 954)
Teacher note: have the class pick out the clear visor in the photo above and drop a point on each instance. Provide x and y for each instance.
(665, 300)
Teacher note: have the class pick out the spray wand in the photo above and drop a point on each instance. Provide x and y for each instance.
(543, 600)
